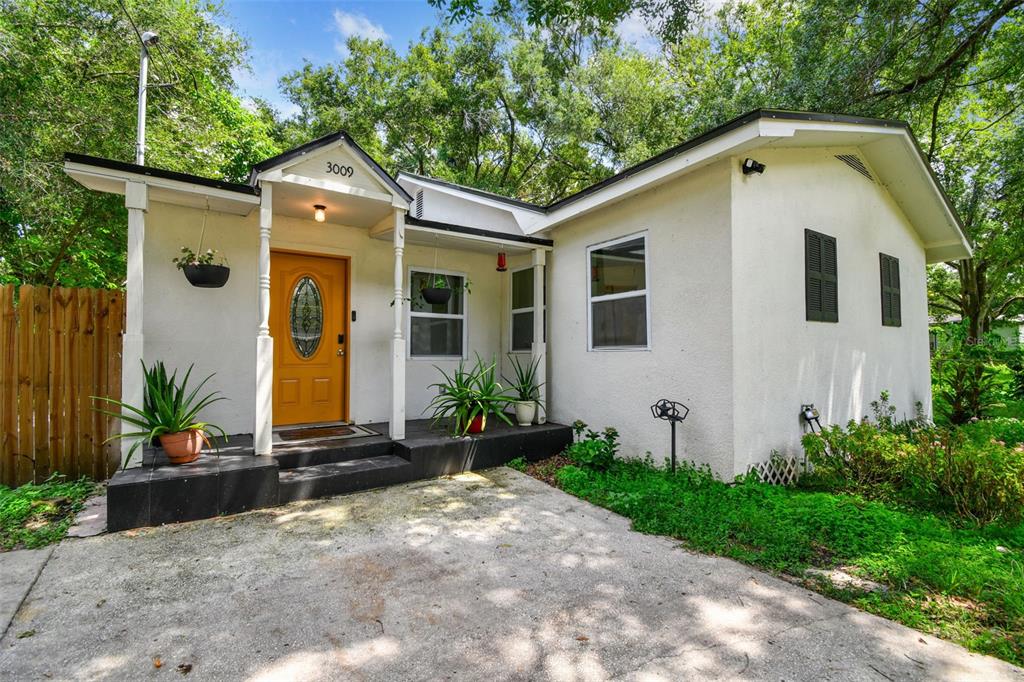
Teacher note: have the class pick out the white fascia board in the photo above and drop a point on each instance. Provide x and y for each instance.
(117, 180)
(743, 138)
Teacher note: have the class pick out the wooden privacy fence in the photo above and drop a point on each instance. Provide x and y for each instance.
(58, 347)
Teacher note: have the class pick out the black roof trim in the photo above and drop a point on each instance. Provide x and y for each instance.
(479, 192)
(160, 173)
(462, 229)
(313, 145)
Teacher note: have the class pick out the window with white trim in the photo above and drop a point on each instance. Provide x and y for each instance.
(522, 310)
(437, 330)
(618, 312)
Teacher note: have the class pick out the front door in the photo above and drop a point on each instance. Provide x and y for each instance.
(308, 320)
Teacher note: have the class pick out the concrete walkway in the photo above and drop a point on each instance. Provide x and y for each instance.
(482, 577)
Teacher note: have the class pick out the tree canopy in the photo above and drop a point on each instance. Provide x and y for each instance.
(68, 80)
(530, 98)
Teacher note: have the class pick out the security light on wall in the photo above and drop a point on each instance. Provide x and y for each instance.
(319, 213)
(751, 166)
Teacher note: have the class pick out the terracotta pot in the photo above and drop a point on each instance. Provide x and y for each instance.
(436, 295)
(478, 424)
(183, 447)
(526, 411)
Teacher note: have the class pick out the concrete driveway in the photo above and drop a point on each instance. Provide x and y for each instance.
(491, 576)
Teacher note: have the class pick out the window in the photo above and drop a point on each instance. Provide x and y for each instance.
(617, 294)
(522, 310)
(821, 277)
(437, 330)
(890, 275)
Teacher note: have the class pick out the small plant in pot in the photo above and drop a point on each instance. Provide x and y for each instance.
(440, 290)
(467, 396)
(525, 388)
(206, 269)
(169, 413)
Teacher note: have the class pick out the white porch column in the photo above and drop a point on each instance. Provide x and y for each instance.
(263, 428)
(397, 422)
(136, 200)
(539, 350)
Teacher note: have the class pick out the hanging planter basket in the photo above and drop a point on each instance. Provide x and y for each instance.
(437, 295)
(207, 276)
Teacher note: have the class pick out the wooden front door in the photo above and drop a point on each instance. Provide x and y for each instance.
(309, 323)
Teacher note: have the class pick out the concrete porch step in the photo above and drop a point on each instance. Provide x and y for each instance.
(338, 478)
(331, 452)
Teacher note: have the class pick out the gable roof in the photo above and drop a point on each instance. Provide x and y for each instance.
(285, 158)
(911, 181)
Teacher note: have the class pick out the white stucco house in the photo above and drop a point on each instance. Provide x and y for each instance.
(775, 261)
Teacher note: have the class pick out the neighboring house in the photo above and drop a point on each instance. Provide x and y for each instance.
(1009, 329)
(691, 276)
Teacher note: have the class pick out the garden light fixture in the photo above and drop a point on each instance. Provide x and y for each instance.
(673, 413)
(319, 213)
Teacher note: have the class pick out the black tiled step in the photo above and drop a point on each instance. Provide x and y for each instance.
(344, 450)
(337, 478)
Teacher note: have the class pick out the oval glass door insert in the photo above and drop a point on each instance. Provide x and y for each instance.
(306, 317)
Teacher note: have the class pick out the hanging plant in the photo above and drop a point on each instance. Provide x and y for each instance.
(205, 269)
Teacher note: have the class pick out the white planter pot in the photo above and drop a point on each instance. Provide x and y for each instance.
(526, 410)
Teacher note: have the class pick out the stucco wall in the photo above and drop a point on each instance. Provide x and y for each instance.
(690, 359)
(780, 359)
(216, 328)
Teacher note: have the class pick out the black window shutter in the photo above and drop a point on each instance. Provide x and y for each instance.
(889, 271)
(822, 277)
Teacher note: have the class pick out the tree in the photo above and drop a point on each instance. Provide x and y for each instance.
(671, 18)
(68, 82)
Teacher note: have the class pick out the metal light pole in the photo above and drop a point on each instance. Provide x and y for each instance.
(149, 38)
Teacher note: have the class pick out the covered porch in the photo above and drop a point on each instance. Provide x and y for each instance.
(368, 352)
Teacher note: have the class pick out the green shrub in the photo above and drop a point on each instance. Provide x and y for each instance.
(1007, 430)
(593, 450)
(975, 472)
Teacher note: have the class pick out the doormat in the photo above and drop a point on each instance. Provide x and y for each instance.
(320, 432)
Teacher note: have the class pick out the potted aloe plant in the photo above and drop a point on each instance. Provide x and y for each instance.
(467, 396)
(525, 388)
(169, 413)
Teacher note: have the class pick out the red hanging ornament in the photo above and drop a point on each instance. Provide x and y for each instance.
(502, 262)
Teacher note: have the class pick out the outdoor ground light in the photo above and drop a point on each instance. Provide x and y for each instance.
(319, 213)
(751, 166)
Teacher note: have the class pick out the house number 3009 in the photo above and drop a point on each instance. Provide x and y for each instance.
(338, 169)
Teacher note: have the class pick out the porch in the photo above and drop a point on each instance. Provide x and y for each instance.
(238, 480)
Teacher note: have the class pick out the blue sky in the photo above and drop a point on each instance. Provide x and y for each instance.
(282, 34)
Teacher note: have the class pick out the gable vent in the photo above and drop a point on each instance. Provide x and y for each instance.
(854, 162)
(419, 203)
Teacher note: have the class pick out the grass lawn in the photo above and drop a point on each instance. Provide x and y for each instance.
(962, 584)
(35, 515)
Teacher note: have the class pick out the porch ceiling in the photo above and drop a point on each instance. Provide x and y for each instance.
(445, 240)
(297, 201)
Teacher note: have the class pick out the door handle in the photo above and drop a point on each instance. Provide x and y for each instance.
(341, 352)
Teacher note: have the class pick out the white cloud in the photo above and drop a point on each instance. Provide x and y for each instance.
(633, 30)
(350, 24)
(260, 79)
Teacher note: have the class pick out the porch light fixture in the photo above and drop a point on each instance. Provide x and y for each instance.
(319, 213)
(751, 166)
(502, 262)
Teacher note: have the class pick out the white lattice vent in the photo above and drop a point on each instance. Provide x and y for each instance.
(419, 203)
(778, 470)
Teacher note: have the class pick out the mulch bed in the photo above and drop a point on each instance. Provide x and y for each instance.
(545, 469)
